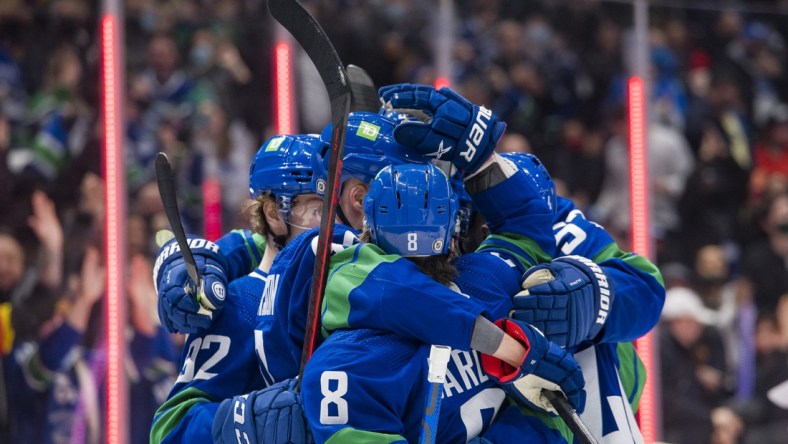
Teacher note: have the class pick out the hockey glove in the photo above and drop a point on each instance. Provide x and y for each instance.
(182, 308)
(271, 416)
(568, 300)
(456, 130)
(545, 366)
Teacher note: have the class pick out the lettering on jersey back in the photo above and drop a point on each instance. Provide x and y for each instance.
(269, 296)
(463, 373)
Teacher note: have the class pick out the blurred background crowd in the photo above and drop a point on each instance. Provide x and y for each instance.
(198, 82)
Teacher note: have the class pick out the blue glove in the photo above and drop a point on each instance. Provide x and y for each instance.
(181, 308)
(456, 130)
(545, 366)
(271, 416)
(568, 300)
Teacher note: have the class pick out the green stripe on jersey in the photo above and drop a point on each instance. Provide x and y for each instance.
(524, 249)
(352, 436)
(172, 412)
(551, 421)
(632, 373)
(254, 250)
(637, 261)
(347, 271)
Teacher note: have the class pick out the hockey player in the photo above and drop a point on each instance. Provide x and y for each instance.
(369, 147)
(220, 362)
(614, 374)
(368, 384)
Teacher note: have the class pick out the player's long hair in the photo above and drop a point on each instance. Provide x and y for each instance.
(440, 267)
(252, 209)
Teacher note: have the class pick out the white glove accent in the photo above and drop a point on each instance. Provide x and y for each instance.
(539, 277)
(531, 387)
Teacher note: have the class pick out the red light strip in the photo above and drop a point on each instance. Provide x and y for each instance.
(212, 208)
(641, 244)
(283, 90)
(440, 82)
(115, 195)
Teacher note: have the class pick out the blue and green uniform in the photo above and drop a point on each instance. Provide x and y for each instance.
(219, 363)
(281, 318)
(368, 381)
(366, 385)
(614, 374)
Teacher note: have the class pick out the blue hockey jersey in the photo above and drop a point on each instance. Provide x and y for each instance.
(217, 364)
(281, 316)
(640, 291)
(615, 383)
(369, 385)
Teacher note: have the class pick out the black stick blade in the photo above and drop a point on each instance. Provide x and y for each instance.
(365, 93)
(315, 42)
(165, 179)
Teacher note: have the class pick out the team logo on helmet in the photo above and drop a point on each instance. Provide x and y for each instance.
(437, 246)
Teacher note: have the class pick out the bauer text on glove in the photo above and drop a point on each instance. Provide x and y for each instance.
(456, 130)
(568, 299)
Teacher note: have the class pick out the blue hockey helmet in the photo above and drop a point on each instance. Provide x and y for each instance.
(282, 167)
(411, 210)
(536, 171)
(369, 146)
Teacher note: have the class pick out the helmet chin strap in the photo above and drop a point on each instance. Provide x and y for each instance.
(341, 214)
(342, 217)
(280, 240)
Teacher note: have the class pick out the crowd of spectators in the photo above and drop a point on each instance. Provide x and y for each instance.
(198, 77)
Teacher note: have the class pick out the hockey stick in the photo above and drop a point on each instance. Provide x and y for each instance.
(165, 178)
(570, 416)
(365, 94)
(318, 47)
(436, 375)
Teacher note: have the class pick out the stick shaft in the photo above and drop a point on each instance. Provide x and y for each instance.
(318, 47)
(570, 416)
